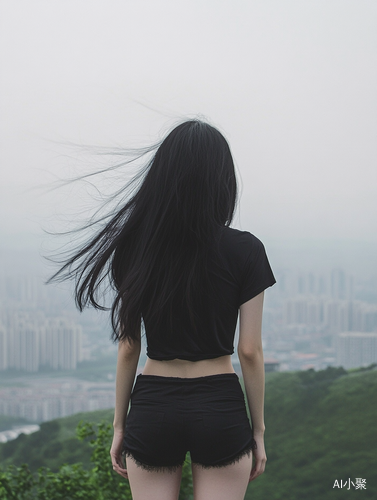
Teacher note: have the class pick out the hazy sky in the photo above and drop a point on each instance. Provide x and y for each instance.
(292, 85)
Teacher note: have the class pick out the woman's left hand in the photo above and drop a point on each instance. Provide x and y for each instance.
(259, 455)
(116, 453)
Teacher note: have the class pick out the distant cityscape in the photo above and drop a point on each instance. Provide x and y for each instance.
(30, 341)
(45, 399)
(311, 320)
(315, 321)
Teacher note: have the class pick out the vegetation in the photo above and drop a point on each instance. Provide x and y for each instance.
(55, 444)
(320, 428)
(74, 482)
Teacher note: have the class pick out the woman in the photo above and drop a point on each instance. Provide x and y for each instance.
(181, 274)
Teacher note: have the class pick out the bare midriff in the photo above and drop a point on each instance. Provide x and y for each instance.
(188, 369)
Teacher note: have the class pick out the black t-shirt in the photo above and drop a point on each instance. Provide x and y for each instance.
(239, 270)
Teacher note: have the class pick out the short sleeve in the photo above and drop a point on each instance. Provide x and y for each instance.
(257, 272)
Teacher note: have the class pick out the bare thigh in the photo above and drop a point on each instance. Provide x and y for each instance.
(151, 485)
(222, 483)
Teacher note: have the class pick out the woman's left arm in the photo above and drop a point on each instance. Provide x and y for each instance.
(128, 358)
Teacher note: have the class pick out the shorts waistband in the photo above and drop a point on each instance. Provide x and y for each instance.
(187, 380)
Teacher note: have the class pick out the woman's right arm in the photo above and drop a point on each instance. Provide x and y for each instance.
(250, 353)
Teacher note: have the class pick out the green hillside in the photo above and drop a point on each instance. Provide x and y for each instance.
(320, 427)
(55, 444)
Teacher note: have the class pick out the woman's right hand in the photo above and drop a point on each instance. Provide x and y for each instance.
(260, 458)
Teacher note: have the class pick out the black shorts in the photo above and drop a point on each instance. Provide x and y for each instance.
(171, 416)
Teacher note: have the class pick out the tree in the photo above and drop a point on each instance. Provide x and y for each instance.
(73, 482)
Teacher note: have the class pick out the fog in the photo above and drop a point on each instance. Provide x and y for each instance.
(291, 84)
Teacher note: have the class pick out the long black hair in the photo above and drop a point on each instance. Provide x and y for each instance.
(153, 250)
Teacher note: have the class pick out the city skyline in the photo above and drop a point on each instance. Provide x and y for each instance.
(311, 320)
(304, 312)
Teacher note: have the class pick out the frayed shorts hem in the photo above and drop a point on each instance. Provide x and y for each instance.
(173, 468)
(152, 468)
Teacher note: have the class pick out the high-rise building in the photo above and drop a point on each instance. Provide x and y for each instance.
(3, 348)
(355, 349)
(61, 345)
(29, 340)
(341, 285)
(333, 315)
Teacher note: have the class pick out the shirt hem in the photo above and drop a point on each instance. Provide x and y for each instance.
(189, 358)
